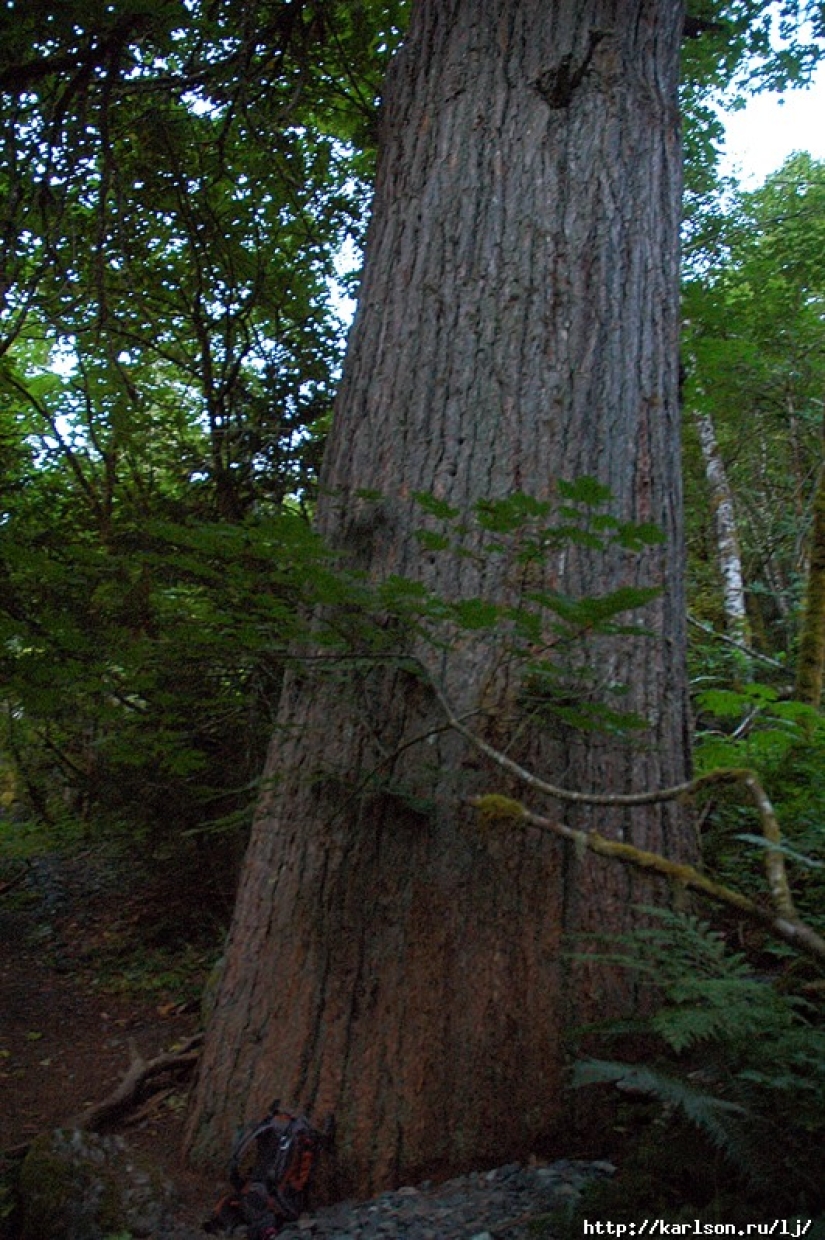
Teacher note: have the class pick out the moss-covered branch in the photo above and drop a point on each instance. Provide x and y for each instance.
(781, 919)
(790, 929)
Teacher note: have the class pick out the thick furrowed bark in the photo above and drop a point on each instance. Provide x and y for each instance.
(517, 325)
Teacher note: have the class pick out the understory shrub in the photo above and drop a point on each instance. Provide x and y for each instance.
(725, 1114)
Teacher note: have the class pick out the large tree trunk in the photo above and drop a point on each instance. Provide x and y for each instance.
(517, 325)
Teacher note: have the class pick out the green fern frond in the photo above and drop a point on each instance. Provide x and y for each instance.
(740, 1064)
(723, 1009)
(680, 943)
(700, 1108)
(677, 949)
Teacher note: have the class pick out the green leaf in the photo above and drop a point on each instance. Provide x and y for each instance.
(436, 507)
(635, 537)
(585, 490)
(431, 541)
(476, 613)
(505, 516)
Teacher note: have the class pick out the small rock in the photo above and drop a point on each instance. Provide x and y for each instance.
(547, 1175)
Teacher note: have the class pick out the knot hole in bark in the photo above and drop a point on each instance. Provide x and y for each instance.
(367, 520)
(558, 84)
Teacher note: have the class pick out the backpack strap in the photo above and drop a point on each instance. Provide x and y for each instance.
(292, 1164)
(250, 1136)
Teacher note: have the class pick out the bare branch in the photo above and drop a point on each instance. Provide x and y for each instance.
(9, 884)
(726, 640)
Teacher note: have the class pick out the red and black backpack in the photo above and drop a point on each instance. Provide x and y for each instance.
(270, 1171)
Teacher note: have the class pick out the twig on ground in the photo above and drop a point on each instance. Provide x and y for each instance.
(9, 884)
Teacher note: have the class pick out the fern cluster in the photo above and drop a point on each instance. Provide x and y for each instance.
(728, 1110)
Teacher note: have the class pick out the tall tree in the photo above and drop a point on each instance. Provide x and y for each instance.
(517, 326)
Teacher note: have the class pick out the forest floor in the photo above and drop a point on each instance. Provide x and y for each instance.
(95, 968)
(98, 963)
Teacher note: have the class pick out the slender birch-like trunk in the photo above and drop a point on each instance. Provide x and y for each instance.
(724, 525)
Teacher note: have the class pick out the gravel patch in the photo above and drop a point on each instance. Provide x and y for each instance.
(504, 1204)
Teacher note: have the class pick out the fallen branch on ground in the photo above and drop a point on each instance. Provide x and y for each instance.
(141, 1079)
(149, 1107)
(132, 1090)
(9, 884)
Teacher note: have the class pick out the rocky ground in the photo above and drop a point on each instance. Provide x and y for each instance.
(511, 1203)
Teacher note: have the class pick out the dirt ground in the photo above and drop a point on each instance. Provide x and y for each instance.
(76, 1004)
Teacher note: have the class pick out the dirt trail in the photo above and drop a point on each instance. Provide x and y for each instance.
(66, 1031)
